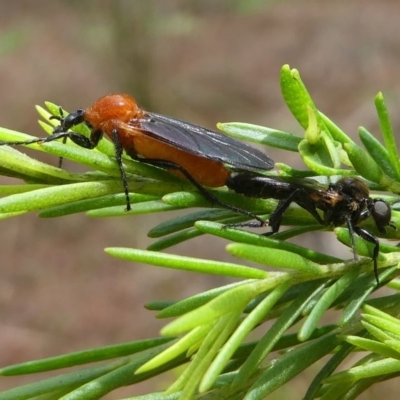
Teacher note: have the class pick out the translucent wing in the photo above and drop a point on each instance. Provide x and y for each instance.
(200, 141)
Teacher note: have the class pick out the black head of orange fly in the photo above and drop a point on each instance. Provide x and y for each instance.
(204, 157)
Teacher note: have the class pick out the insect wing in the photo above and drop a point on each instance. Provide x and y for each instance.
(206, 143)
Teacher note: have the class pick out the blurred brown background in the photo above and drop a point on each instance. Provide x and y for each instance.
(201, 61)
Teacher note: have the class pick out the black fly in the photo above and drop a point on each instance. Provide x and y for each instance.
(346, 202)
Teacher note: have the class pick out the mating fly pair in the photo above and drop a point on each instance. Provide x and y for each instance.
(210, 159)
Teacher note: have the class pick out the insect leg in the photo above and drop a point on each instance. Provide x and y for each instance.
(205, 193)
(118, 156)
(59, 128)
(372, 239)
(299, 197)
(351, 228)
(77, 138)
(275, 218)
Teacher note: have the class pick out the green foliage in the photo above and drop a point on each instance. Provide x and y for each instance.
(210, 331)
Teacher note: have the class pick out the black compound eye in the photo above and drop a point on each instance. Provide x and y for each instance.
(381, 213)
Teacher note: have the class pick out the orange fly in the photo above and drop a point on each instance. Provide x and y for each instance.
(204, 157)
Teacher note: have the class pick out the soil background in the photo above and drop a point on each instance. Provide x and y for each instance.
(200, 61)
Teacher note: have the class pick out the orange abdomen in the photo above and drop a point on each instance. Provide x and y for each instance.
(205, 171)
(136, 143)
